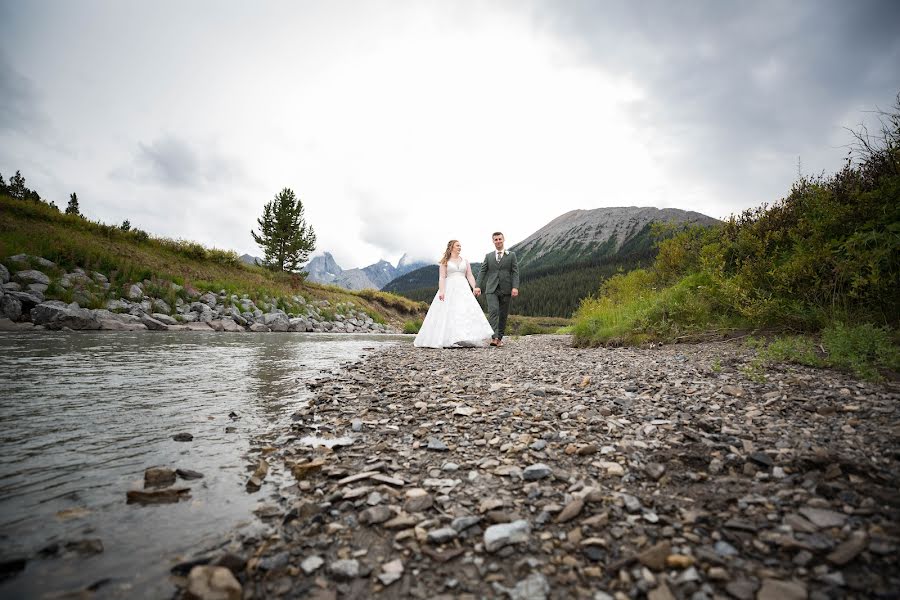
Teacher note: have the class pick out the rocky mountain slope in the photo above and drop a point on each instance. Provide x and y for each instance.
(580, 236)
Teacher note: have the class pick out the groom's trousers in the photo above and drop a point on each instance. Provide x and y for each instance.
(498, 310)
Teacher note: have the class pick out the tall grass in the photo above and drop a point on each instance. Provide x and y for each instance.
(825, 259)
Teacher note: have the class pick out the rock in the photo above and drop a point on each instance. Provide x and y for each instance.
(654, 557)
(276, 321)
(464, 411)
(391, 572)
(535, 472)
(762, 459)
(679, 561)
(31, 276)
(436, 445)
(774, 589)
(662, 592)
(134, 292)
(226, 325)
(56, 315)
(188, 474)
(164, 496)
(10, 307)
(417, 500)
(498, 536)
(259, 328)
(442, 535)
(849, 549)
(655, 471)
(460, 524)
(533, 587)
(823, 518)
(153, 324)
(4, 274)
(164, 319)
(632, 504)
(375, 515)
(212, 583)
(345, 569)
(306, 469)
(183, 437)
(311, 564)
(572, 510)
(259, 474)
(158, 477)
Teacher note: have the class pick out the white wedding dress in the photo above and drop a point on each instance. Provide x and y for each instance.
(457, 320)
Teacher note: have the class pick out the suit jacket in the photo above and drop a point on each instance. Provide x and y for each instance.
(499, 278)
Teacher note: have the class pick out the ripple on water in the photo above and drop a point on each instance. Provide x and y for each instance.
(82, 416)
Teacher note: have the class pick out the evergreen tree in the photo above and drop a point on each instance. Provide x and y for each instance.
(284, 235)
(126, 225)
(3, 188)
(72, 208)
(17, 187)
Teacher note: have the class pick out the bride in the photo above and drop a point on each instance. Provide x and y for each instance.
(454, 318)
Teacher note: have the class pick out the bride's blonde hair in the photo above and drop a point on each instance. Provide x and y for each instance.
(446, 256)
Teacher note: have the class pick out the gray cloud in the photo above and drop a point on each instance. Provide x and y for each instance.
(19, 101)
(172, 162)
(729, 82)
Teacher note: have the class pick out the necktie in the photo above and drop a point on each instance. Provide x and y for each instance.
(499, 256)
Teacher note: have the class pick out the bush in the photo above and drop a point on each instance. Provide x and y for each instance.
(412, 326)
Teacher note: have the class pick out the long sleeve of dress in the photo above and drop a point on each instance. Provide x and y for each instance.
(469, 275)
(442, 281)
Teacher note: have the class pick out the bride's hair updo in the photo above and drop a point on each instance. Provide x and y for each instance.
(446, 256)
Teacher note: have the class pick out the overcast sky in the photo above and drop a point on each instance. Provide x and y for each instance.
(404, 124)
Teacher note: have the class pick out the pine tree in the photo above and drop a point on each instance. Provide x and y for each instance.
(284, 235)
(17, 187)
(126, 225)
(3, 188)
(72, 208)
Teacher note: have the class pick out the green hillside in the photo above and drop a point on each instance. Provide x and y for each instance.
(30, 226)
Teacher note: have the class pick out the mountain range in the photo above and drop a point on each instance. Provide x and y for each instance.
(567, 259)
(324, 269)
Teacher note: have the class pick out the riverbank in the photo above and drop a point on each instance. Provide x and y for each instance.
(539, 470)
(36, 294)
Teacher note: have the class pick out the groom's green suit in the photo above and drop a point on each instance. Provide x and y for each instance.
(497, 279)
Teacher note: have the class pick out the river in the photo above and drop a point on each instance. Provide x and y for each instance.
(82, 415)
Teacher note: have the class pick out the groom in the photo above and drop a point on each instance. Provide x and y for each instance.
(499, 277)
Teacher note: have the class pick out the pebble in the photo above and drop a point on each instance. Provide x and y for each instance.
(498, 536)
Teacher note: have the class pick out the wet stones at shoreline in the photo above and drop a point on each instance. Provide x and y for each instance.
(583, 473)
(26, 281)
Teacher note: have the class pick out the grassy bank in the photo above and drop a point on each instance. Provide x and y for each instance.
(32, 227)
(821, 266)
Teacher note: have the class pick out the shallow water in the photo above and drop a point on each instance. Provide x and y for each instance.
(82, 415)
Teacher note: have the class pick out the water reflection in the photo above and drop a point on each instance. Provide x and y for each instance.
(83, 415)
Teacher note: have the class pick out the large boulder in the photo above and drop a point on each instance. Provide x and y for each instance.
(161, 306)
(153, 324)
(10, 307)
(28, 299)
(56, 315)
(209, 299)
(110, 321)
(226, 325)
(32, 276)
(25, 259)
(162, 318)
(207, 582)
(300, 325)
(276, 321)
(4, 274)
(134, 292)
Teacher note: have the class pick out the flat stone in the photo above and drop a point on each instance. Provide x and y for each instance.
(572, 510)
(849, 548)
(344, 569)
(460, 524)
(164, 496)
(391, 572)
(661, 592)
(498, 536)
(535, 472)
(207, 582)
(654, 557)
(159, 477)
(442, 535)
(823, 518)
(775, 589)
(437, 445)
(311, 564)
(375, 515)
(183, 437)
